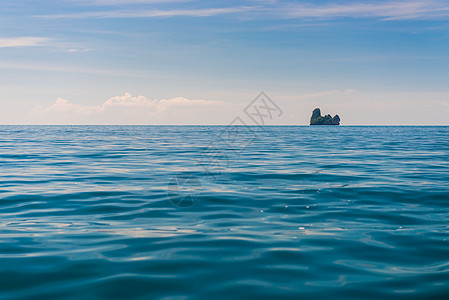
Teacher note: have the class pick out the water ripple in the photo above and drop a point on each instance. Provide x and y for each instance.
(303, 212)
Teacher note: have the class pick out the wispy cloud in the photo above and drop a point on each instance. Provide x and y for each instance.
(123, 2)
(25, 41)
(154, 13)
(33, 41)
(326, 94)
(388, 10)
(31, 66)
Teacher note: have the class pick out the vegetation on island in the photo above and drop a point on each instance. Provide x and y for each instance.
(318, 119)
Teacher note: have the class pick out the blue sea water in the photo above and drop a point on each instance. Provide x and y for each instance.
(194, 212)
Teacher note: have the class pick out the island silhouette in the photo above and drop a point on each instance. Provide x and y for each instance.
(318, 119)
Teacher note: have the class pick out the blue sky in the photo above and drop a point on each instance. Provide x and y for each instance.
(198, 62)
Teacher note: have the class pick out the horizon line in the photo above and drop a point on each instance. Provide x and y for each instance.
(252, 125)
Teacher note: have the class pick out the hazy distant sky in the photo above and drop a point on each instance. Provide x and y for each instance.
(202, 62)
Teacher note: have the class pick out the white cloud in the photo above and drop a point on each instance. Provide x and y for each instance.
(123, 102)
(64, 106)
(25, 41)
(151, 105)
(124, 109)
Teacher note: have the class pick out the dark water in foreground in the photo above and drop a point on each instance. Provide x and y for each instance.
(312, 212)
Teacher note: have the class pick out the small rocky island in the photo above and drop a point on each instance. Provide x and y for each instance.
(318, 119)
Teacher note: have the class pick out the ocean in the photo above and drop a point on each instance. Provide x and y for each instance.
(217, 212)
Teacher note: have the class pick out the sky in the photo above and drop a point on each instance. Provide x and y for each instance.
(202, 62)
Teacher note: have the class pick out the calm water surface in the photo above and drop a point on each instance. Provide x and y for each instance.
(96, 212)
